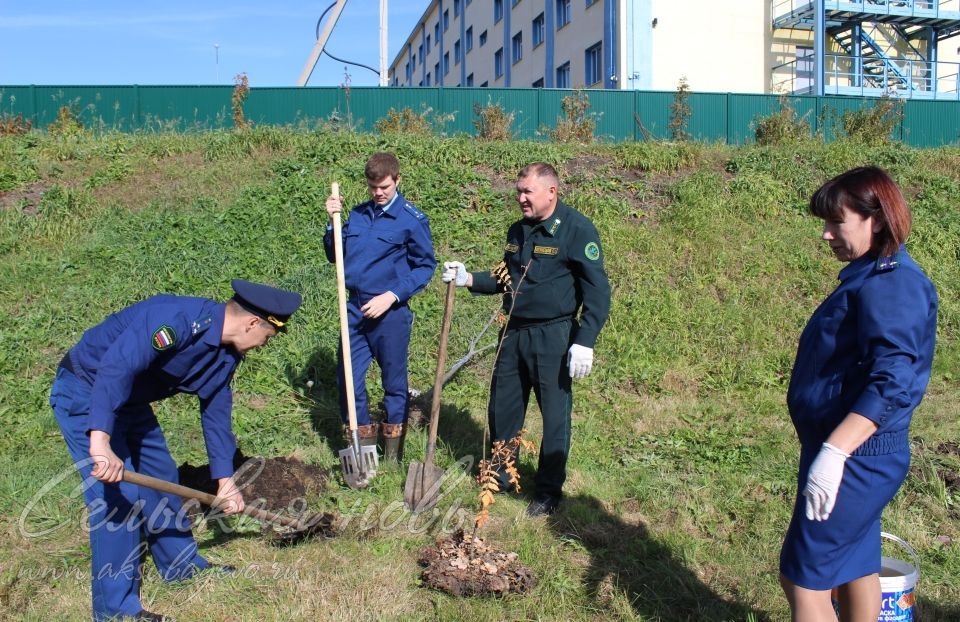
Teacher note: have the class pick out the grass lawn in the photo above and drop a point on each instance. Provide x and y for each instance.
(683, 464)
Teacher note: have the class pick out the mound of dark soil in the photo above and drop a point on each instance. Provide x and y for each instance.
(463, 565)
(278, 484)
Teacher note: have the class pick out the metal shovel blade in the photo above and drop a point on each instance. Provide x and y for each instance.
(422, 488)
(359, 468)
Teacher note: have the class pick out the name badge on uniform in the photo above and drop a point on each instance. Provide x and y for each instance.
(512, 248)
(545, 250)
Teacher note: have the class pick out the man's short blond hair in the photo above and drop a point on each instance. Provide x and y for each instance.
(541, 170)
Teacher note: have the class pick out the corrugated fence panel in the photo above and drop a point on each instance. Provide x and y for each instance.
(614, 110)
(621, 115)
(286, 106)
(16, 100)
(709, 119)
(746, 110)
(653, 111)
(524, 103)
(460, 103)
(94, 106)
(368, 105)
(185, 107)
(931, 124)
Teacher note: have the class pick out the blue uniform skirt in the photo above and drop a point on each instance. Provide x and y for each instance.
(821, 555)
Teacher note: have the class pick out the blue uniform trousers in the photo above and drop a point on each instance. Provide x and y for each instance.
(120, 513)
(385, 339)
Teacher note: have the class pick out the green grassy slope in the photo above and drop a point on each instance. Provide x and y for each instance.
(683, 459)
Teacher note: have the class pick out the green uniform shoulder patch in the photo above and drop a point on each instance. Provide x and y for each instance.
(164, 338)
(592, 251)
(512, 248)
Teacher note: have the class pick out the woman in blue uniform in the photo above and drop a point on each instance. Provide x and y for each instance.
(862, 367)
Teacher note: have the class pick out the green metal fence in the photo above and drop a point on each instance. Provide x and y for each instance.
(621, 115)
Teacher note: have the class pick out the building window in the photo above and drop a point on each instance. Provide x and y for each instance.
(420, 51)
(538, 30)
(421, 83)
(469, 38)
(436, 32)
(514, 2)
(497, 10)
(483, 38)
(456, 51)
(456, 8)
(517, 48)
(484, 85)
(590, 3)
(446, 63)
(436, 71)
(446, 20)
(413, 60)
(498, 63)
(538, 84)
(593, 60)
(428, 78)
(563, 76)
(470, 80)
(563, 13)
(428, 44)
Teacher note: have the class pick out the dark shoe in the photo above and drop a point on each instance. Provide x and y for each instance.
(393, 435)
(222, 569)
(151, 617)
(543, 506)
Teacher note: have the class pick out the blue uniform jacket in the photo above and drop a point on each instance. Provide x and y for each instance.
(867, 349)
(391, 252)
(157, 348)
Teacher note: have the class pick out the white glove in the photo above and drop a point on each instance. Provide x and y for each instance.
(579, 360)
(454, 270)
(823, 481)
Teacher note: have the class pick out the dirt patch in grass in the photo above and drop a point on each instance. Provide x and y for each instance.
(949, 448)
(181, 178)
(28, 197)
(463, 565)
(277, 484)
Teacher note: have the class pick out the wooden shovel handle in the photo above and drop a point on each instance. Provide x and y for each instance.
(344, 318)
(204, 497)
(438, 380)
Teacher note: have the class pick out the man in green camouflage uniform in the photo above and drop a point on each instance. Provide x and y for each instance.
(552, 269)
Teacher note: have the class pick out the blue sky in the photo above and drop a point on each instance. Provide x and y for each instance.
(172, 42)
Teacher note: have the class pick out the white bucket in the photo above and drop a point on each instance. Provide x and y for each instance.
(898, 579)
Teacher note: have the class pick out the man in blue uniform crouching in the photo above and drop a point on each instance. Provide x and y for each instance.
(101, 399)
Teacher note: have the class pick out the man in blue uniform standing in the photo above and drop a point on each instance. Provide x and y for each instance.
(101, 399)
(388, 257)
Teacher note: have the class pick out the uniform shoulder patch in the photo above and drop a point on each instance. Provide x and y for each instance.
(592, 251)
(545, 250)
(164, 338)
(885, 264)
(413, 210)
(511, 248)
(201, 325)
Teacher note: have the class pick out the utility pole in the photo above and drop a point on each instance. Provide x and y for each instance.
(321, 42)
(384, 77)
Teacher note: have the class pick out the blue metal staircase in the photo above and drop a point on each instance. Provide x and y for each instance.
(902, 63)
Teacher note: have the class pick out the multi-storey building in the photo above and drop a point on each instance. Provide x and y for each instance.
(907, 48)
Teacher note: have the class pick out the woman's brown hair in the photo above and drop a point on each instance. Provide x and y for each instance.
(868, 191)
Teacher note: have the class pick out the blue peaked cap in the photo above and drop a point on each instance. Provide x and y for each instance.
(270, 303)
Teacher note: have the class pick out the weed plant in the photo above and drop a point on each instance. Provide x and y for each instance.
(683, 462)
(577, 123)
(492, 122)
